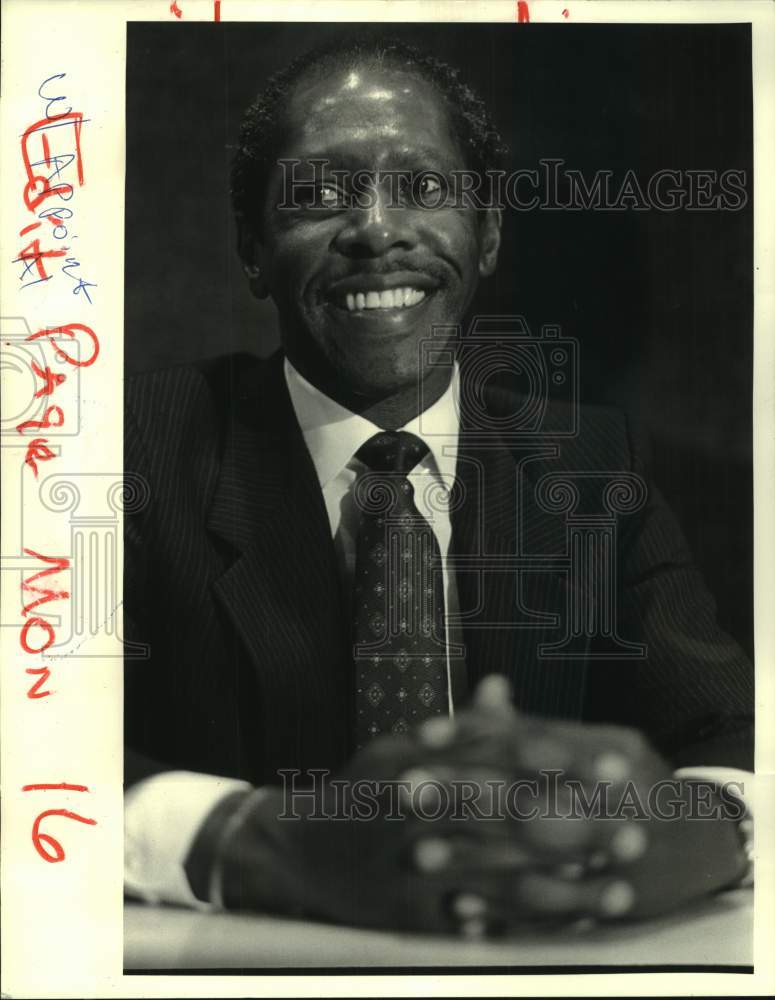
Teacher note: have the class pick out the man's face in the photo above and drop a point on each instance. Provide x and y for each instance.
(359, 287)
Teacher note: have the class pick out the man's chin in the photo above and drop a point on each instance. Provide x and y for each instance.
(376, 384)
(371, 360)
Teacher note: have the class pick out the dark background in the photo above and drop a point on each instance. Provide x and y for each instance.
(661, 302)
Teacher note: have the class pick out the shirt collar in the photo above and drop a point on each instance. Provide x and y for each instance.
(333, 433)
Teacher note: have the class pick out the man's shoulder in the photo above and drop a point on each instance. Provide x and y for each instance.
(583, 435)
(591, 435)
(210, 377)
(181, 400)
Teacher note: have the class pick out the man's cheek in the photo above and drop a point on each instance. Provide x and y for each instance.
(452, 232)
(287, 286)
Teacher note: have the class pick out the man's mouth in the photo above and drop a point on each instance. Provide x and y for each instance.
(391, 298)
(394, 292)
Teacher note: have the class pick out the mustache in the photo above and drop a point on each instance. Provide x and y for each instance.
(431, 269)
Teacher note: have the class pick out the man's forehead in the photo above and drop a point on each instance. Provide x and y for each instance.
(369, 85)
(361, 104)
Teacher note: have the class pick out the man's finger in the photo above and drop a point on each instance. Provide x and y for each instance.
(596, 842)
(452, 855)
(605, 898)
(614, 754)
(493, 694)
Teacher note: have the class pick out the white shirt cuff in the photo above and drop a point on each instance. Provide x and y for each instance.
(742, 781)
(162, 816)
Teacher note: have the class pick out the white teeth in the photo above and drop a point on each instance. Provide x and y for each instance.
(391, 298)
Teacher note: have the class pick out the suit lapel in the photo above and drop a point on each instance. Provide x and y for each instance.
(282, 591)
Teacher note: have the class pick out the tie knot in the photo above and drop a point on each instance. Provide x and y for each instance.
(392, 451)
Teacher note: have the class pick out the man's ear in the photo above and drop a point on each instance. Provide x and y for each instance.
(250, 251)
(489, 241)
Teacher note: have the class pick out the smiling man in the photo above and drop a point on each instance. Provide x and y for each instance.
(357, 292)
(328, 574)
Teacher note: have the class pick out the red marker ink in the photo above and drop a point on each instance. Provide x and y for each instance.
(33, 256)
(40, 643)
(35, 692)
(32, 200)
(39, 839)
(38, 451)
(50, 636)
(48, 788)
(42, 840)
(51, 379)
(67, 330)
(60, 564)
(46, 422)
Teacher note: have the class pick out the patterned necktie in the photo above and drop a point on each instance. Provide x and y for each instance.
(399, 644)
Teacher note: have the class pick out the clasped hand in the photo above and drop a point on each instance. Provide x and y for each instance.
(484, 823)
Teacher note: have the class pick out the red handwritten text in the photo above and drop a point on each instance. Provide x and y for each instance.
(37, 633)
(43, 840)
(50, 147)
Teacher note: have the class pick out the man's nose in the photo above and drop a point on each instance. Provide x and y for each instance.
(376, 227)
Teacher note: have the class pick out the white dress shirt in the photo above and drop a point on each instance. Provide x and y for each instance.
(163, 813)
(333, 435)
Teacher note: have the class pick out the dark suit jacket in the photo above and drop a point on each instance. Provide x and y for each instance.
(231, 579)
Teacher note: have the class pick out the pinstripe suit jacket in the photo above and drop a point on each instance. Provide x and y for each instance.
(231, 580)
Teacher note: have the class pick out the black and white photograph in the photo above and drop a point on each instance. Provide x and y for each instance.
(387, 550)
(439, 358)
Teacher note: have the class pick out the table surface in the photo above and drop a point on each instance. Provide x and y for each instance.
(714, 932)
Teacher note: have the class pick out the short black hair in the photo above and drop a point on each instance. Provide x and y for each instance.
(260, 130)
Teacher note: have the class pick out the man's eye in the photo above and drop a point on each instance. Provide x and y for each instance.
(320, 196)
(330, 196)
(426, 191)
